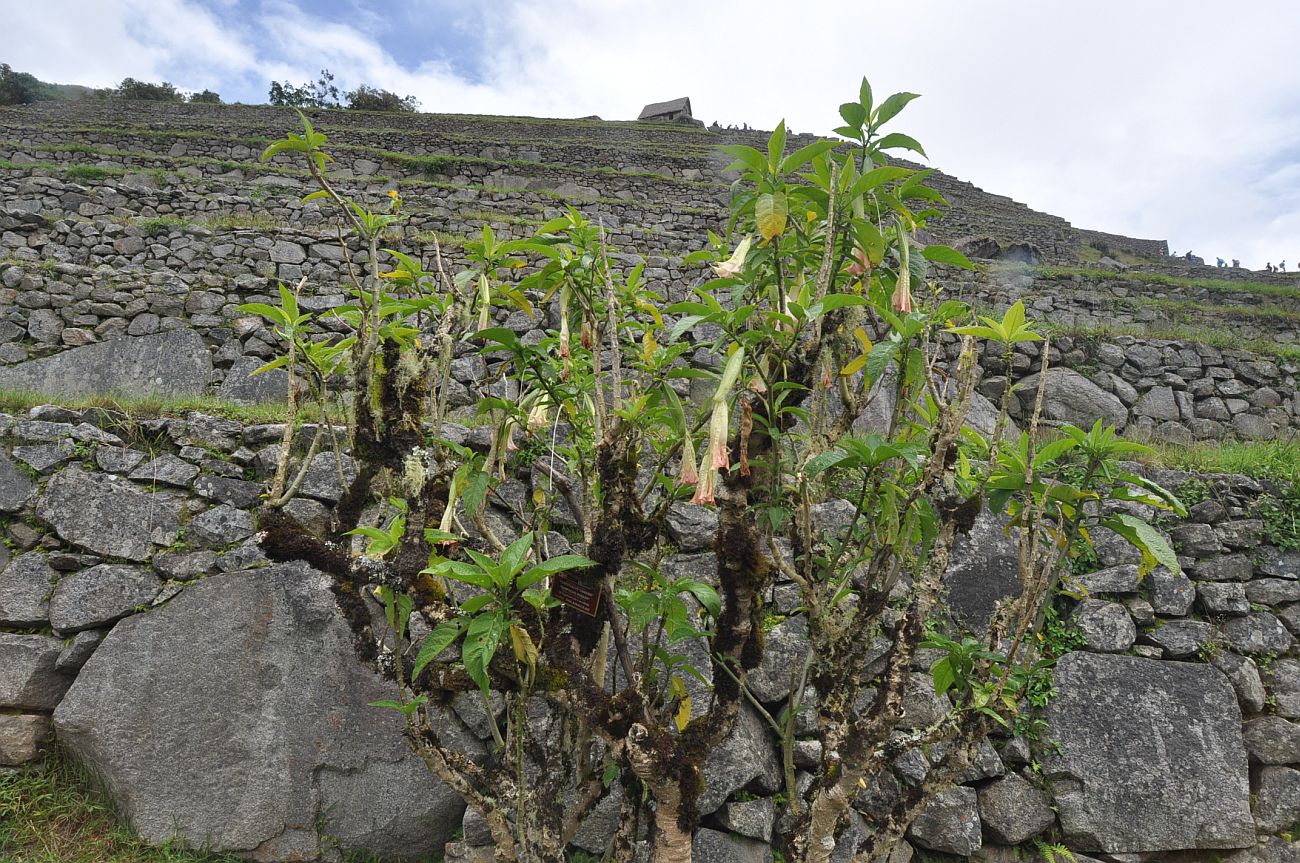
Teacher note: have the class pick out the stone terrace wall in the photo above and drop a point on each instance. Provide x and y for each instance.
(1152, 250)
(132, 542)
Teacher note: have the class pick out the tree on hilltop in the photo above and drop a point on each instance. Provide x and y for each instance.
(146, 91)
(367, 98)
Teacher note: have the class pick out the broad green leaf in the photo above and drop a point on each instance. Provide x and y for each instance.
(481, 640)
(825, 461)
(512, 559)
(947, 255)
(864, 95)
(444, 635)
(853, 113)
(1155, 549)
(560, 563)
(776, 147)
(460, 571)
(944, 675)
(748, 157)
(890, 108)
(707, 596)
(877, 177)
(804, 155)
(899, 141)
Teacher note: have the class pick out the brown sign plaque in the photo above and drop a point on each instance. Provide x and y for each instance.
(575, 594)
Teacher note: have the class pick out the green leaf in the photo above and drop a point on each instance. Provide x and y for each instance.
(899, 141)
(890, 108)
(481, 641)
(610, 774)
(947, 255)
(707, 596)
(853, 113)
(316, 195)
(748, 157)
(560, 563)
(944, 675)
(804, 155)
(823, 462)
(776, 147)
(436, 536)
(877, 177)
(460, 571)
(444, 635)
(512, 559)
(1146, 539)
(271, 313)
(864, 95)
(838, 301)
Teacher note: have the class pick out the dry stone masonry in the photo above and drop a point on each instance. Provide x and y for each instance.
(218, 698)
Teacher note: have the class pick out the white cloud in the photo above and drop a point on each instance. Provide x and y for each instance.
(1160, 119)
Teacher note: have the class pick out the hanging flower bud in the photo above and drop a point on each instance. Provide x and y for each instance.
(587, 339)
(718, 452)
(731, 267)
(564, 322)
(485, 302)
(902, 298)
(688, 475)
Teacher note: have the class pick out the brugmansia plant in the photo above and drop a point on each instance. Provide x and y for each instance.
(841, 372)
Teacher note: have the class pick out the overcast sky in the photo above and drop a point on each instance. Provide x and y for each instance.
(1176, 119)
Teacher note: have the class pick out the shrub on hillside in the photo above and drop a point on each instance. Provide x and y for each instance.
(146, 91)
(22, 88)
(207, 97)
(367, 98)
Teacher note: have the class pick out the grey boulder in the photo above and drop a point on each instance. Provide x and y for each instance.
(100, 595)
(108, 515)
(28, 679)
(235, 718)
(1013, 810)
(1151, 756)
(1073, 398)
(25, 588)
(950, 823)
(172, 363)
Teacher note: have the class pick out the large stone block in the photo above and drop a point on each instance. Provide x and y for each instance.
(984, 571)
(28, 679)
(108, 515)
(235, 718)
(1074, 399)
(173, 363)
(1151, 756)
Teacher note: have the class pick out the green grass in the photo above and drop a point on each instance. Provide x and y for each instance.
(137, 408)
(53, 812)
(1224, 285)
(1273, 460)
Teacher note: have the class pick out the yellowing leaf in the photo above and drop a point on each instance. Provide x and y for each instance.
(525, 650)
(683, 716)
(770, 214)
(861, 335)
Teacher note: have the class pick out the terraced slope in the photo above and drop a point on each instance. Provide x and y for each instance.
(127, 220)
